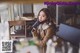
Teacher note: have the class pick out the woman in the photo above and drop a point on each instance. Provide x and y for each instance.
(45, 30)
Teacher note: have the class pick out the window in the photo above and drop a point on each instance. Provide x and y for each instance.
(4, 13)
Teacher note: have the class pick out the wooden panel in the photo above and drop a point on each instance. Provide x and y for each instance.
(33, 1)
(18, 33)
(20, 22)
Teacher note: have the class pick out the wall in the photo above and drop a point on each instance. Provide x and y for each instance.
(27, 8)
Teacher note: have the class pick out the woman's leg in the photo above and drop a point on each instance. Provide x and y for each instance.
(42, 49)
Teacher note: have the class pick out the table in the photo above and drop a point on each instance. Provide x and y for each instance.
(23, 45)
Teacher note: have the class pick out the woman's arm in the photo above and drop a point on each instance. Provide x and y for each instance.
(35, 35)
(49, 33)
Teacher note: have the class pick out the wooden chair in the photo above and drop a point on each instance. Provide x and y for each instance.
(21, 33)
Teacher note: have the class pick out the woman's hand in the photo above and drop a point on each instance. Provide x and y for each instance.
(34, 32)
(40, 43)
(34, 29)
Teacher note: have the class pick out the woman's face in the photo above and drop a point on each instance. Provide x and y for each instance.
(42, 16)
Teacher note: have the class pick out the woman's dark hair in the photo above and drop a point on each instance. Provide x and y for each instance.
(50, 19)
(48, 14)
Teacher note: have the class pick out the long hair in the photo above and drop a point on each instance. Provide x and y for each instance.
(48, 15)
(50, 19)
